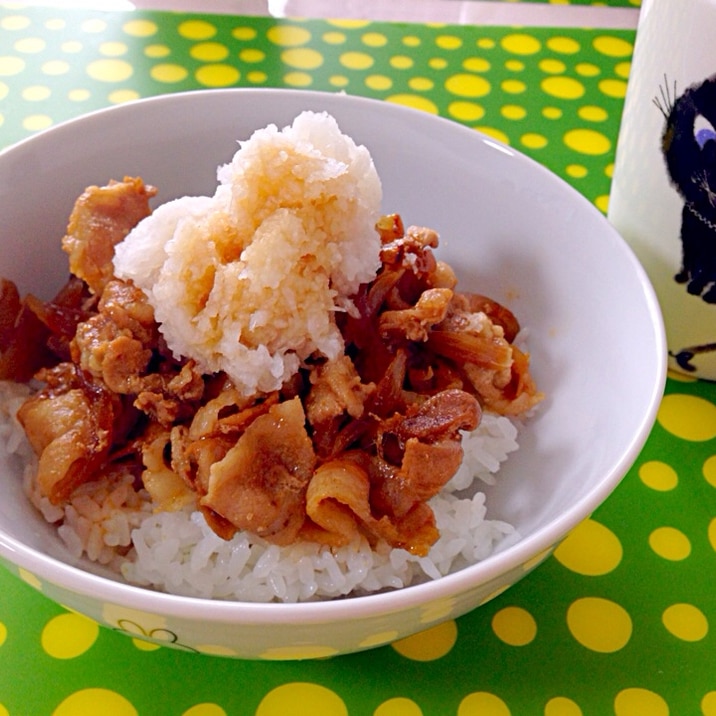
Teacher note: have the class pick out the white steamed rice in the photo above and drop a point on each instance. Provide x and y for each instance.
(177, 552)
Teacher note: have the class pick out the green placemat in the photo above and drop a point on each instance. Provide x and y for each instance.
(620, 620)
(556, 95)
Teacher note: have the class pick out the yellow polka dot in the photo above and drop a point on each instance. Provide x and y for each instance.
(339, 80)
(15, 22)
(561, 706)
(378, 82)
(252, 55)
(552, 112)
(36, 93)
(30, 45)
(55, 68)
(298, 79)
(349, 23)
(167, 72)
(334, 38)
(144, 645)
(206, 709)
(587, 69)
(533, 140)
(637, 702)
(563, 45)
(411, 41)
(659, 476)
(576, 171)
(196, 30)
(708, 704)
(4, 711)
(486, 43)
(466, 111)
(437, 610)
(551, 66)
(95, 701)
(438, 63)
(612, 46)
(217, 75)
(623, 69)
(599, 624)
(562, 87)
(69, 635)
(110, 70)
(11, 66)
(379, 639)
(71, 47)
(613, 88)
(414, 101)
(113, 49)
(592, 113)
(301, 699)
(513, 86)
(209, 52)
(680, 377)
(712, 533)
(401, 62)
(590, 549)
(514, 626)
(587, 141)
(482, 703)
(513, 111)
(302, 58)
(157, 51)
(430, 644)
(3, 633)
(420, 84)
(79, 95)
(288, 35)
(29, 578)
(609, 170)
(709, 470)
(515, 65)
(602, 203)
(464, 85)
(55, 23)
(670, 543)
(476, 64)
(374, 39)
(685, 622)
(399, 706)
(95, 25)
(123, 95)
(140, 28)
(448, 42)
(495, 133)
(688, 417)
(244, 33)
(256, 77)
(356, 60)
(36, 122)
(521, 44)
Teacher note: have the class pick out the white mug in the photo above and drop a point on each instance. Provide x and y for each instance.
(663, 196)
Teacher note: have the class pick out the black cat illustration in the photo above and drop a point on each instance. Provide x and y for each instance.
(688, 145)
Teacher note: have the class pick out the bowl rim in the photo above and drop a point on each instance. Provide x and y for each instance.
(527, 550)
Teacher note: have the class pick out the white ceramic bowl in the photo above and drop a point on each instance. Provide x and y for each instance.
(512, 230)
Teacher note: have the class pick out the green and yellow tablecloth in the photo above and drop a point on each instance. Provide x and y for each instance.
(621, 620)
